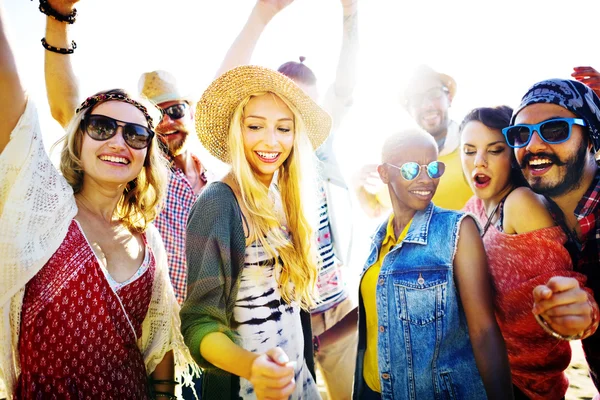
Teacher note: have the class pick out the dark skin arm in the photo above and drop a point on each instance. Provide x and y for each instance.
(473, 282)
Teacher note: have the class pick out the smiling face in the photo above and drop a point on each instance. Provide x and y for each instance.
(552, 169)
(174, 132)
(486, 160)
(112, 161)
(268, 134)
(414, 195)
(428, 103)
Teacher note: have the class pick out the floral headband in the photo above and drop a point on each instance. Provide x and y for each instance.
(100, 98)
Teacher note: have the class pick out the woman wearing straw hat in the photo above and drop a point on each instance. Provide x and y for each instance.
(251, 263)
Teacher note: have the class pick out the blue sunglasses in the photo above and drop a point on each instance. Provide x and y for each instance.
(411, 170)
(553, 131)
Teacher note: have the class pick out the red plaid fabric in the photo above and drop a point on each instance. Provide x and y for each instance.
(588, 216)
(171, 223)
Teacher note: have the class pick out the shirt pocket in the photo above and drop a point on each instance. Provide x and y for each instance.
(421, 295)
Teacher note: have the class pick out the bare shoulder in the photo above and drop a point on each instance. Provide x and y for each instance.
(525, 211)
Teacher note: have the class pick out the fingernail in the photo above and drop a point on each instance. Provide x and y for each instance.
(282, 359)
(292, 364)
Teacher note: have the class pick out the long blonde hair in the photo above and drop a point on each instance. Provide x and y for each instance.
(297, 279)
(142, 197)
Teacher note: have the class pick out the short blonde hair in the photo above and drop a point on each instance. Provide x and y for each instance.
(298, 195)
(142, 197)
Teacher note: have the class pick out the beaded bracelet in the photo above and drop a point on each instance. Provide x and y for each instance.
(165, 394)
(546, 327)
(47, 9)
(60, 50)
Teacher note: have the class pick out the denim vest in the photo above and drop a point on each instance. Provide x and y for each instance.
(424, 350)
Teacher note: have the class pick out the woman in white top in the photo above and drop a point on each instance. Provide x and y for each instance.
(87, 307)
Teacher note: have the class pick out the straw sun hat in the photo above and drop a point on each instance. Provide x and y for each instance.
(219, 101)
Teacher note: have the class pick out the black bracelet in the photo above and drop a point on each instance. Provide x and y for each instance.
(163, 381)
(165, 394)
(60, 50)
(47, 9)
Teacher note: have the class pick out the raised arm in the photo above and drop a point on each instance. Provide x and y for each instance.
(473, 282)
(62, 87)
(337, 103)
(242, 48)
(12, 96)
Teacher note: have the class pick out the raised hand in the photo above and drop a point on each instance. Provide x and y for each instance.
(588, 76)
(275, 5)
(272, 375)
(564, 305)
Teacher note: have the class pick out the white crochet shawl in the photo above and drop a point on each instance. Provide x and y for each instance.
(36, 207)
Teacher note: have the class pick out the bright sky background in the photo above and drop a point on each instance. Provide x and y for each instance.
(494, 50)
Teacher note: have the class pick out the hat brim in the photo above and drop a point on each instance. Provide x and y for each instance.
(446, 80)
(215, 108)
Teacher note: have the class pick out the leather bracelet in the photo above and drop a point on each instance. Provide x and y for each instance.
(47, 9)
(163, 381)
(59, 50)
(548, 329)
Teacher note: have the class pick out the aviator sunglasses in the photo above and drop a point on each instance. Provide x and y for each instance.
(176, 111)
(100, 127)
(552, 131)
(411, 170)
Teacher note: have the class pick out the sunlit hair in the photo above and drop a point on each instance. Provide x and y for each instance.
(296, 179)
(496, 118)
(142, 197)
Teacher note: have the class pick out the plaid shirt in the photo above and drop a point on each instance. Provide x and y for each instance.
(588, 216)
(171, 224)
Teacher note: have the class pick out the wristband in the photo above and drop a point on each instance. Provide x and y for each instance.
(47, 9)
(59, 50)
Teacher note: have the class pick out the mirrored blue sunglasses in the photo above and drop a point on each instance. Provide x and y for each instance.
(411, 170)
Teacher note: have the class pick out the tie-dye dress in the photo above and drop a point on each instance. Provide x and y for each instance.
(264, 321)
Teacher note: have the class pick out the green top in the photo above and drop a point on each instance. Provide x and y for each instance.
(215, 249)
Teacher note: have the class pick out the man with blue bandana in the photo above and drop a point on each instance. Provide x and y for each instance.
(555, 133)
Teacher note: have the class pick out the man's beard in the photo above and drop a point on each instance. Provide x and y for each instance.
(571, 180)
(440, 131)
(175, 147)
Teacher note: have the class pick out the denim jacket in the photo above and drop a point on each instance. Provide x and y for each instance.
(424, 350)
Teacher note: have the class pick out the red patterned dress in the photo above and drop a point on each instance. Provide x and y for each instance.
(518, 263)
(78, 336)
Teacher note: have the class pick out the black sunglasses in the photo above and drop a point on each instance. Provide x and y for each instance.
(101, 127)
(176, 111)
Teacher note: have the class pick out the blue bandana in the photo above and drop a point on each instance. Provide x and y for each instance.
(572, 95)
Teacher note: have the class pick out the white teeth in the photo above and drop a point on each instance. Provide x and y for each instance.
(422, 192)
(269, 156)
(540, 161)
(114, 159)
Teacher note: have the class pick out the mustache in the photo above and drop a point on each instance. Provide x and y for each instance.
(552, 157)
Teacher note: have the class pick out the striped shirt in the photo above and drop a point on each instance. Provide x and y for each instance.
(330, 283)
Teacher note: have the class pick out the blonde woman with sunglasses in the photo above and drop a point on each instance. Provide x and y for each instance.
(87, 307)
(426, 319)
(525, 248)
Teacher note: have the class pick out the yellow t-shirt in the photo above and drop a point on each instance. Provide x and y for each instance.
(368, 286)
(453, 191)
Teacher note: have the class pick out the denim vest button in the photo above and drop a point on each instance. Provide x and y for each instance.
(385, 376)
(381, 281)
(382, 329)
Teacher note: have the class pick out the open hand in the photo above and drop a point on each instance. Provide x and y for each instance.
(272, 375)
(564, 305)
(588, 76)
